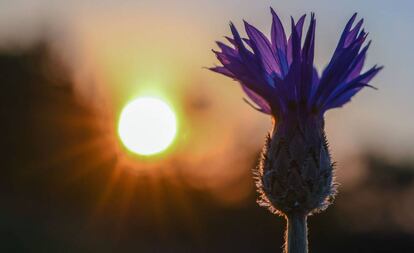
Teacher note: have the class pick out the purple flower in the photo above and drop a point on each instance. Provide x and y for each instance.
(295, 174)
(279, 75)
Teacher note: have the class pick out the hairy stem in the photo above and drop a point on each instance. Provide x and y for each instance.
(296, 234)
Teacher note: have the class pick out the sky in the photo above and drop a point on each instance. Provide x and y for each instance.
(163, 46)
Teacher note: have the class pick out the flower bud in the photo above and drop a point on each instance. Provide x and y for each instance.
(295, 173)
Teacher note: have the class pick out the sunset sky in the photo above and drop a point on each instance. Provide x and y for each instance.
(159, 48)
(139, 46)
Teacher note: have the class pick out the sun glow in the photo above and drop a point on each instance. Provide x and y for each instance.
(147, 126)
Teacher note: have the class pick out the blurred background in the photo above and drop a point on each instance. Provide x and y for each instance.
(68, 184)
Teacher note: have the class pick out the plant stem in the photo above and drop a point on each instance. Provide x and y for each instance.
(296, 234)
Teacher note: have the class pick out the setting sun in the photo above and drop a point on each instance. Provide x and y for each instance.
(147, 126)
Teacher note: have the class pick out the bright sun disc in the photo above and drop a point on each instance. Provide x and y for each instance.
(147, 126)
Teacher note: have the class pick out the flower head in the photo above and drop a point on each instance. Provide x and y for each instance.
(295, 174)
(279, 75)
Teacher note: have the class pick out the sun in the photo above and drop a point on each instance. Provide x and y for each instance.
(147, 126)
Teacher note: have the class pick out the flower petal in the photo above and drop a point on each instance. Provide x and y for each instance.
(258, 100)
(262, 47)
(298, 26)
